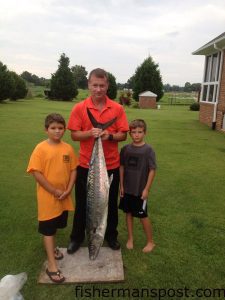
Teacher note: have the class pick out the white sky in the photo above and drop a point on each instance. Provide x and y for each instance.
(116, 35)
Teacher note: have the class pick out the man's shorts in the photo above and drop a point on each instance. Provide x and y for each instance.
(134, 205)
(49, 227)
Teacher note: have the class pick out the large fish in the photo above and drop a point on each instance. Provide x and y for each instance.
(98, 184)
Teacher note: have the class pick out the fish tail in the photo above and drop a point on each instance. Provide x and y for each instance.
(96, 124)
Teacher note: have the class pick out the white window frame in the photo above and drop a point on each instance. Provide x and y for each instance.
(210, 83)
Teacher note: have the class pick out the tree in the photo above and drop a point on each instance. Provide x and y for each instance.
(130, 82)
(147, 77)
(187, 87)
(112, 90)
(19, 90)
(27, 76)
(80, 75)
(63, 85)
(196, 87)
(6, 82)
(32, 78)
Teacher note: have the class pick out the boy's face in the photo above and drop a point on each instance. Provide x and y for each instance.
(137, 135)
(55, 132)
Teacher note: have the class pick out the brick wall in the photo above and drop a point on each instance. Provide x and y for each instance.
(206, 113)
(147, 102)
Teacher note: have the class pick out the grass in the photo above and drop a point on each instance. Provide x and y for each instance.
(186, 205)
(178, 98)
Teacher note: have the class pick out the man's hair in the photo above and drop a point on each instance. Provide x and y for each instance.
(138, 123)
(54, 118)
(99, 73)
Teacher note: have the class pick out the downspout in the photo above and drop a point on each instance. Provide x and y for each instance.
(218, 89)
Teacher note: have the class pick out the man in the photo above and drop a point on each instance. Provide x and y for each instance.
(103, 109)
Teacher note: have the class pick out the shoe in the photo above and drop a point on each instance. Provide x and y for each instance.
(60, 279)
(73, 247)
(114, 244)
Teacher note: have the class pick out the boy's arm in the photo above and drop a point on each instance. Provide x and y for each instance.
(73, 175)
(45, 184)
(121, 180)
(146, 190)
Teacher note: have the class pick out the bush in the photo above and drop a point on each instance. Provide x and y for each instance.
(125, 98)
(195, 106)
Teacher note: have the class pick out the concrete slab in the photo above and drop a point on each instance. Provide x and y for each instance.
(77, 268)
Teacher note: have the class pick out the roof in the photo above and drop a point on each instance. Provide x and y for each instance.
(214, 45)
(148, 94)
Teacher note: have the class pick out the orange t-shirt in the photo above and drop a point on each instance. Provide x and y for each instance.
(55, 162)
(79, 120)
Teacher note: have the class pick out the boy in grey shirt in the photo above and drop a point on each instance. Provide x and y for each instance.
(137, 171)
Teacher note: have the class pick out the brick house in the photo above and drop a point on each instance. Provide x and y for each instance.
(147, 99)
(212, 98)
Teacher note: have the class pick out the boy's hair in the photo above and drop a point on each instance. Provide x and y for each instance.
(54, 118)
(138, 123)
(99, 73)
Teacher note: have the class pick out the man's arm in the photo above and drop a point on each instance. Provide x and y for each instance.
(78, 135)
(118, 136)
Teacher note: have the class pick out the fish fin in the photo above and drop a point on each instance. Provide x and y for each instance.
(96, 124)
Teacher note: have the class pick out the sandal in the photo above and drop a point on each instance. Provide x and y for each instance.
(58, 273)
(58, 254)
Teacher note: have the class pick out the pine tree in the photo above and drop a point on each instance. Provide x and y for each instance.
(19, 91)
(147, 77)
(63, 86)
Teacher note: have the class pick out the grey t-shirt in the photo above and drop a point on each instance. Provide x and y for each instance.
(137, 162)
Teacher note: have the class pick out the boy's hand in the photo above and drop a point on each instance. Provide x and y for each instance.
(144, 195)
(64, 195)
(121, 191)
(57, 193)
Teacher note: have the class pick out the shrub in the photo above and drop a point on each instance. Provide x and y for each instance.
(125, 98)
(195, 106)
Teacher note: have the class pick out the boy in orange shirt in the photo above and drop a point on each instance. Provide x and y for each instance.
(53, 164)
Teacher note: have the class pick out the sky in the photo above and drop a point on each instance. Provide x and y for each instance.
(116, 35)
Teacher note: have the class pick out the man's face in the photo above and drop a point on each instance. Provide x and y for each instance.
(98, 87)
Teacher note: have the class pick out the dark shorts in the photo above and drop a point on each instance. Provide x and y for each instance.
(49, 227)
(134, 205)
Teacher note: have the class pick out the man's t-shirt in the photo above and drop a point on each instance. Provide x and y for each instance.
(79, 120)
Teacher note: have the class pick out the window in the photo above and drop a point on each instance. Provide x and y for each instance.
(211, 77)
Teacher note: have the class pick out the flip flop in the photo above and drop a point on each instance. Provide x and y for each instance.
(58, 254)
(58, 273)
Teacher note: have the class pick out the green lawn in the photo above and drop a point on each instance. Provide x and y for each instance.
(186, 205)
